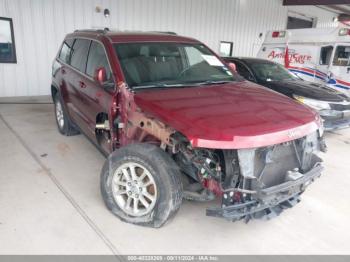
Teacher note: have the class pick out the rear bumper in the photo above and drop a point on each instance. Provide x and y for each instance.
(268, 202)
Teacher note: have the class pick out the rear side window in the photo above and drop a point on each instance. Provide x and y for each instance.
(326, 53)
(79, 54)
(66, 50)
(97, 58)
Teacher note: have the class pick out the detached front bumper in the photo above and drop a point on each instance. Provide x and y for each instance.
(335, 119)
(269, 202)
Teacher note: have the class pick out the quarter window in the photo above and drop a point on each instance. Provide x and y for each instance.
(97, 58)
(66, 50)
(7, 41)
(243, 71)
(79, 54)
(326, 53)
(341, 56)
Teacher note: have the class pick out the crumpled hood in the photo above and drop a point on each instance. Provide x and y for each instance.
(228, 116)
(308, 89)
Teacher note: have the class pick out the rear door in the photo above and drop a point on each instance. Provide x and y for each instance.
(339, 70)
(61, 70)
(322, 70)
(302, 60)
(76, 82)
(274, 53)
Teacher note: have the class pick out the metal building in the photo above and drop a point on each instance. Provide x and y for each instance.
(40, 25)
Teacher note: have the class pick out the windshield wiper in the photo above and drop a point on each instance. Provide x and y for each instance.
(157, 86)
(163, 85)
(214, 82)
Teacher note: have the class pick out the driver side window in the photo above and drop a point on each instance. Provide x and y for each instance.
(243, 71)
(193, 55)
(325, 56)
(97, 58)
(342, 56)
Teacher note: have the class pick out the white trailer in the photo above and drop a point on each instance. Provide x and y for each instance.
(315, 54)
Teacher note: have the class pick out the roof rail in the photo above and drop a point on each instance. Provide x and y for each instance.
(165, 32)
(100, 31)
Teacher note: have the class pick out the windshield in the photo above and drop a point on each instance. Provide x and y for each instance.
(341, 56)
(170, 64)
(271, 72)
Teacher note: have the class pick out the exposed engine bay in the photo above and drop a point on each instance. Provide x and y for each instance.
(252, 183)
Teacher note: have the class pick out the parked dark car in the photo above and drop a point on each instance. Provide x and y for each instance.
(176, 123)
(333, 106)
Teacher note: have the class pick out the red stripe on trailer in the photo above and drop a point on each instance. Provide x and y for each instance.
(343, 82)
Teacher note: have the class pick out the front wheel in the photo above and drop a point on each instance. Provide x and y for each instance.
(141, 184)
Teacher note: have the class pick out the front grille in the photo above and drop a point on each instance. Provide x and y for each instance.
(268, 166)
(271, 170)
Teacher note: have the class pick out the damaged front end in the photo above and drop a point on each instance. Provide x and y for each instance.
(254, 182)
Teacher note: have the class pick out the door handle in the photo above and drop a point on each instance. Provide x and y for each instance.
(82, 84)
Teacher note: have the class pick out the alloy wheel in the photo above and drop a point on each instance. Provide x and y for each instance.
(134, 189)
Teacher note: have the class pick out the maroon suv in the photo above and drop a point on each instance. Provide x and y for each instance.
(176, 122)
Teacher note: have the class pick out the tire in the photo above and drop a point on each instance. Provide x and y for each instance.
(64, 124)
(165, 182)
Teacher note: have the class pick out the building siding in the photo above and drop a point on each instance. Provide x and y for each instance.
(40, 26)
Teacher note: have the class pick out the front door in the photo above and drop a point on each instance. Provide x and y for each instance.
(98, 100)
(339, 70)
(322, 69)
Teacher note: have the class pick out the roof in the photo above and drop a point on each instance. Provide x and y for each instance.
(134, 36)
(309, 35)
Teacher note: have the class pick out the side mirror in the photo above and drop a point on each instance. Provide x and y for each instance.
(100, 75)
(232, 66)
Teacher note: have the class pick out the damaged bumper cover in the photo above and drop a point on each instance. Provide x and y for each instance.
(269, 202)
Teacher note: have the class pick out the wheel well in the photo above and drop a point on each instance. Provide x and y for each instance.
(54, 91)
